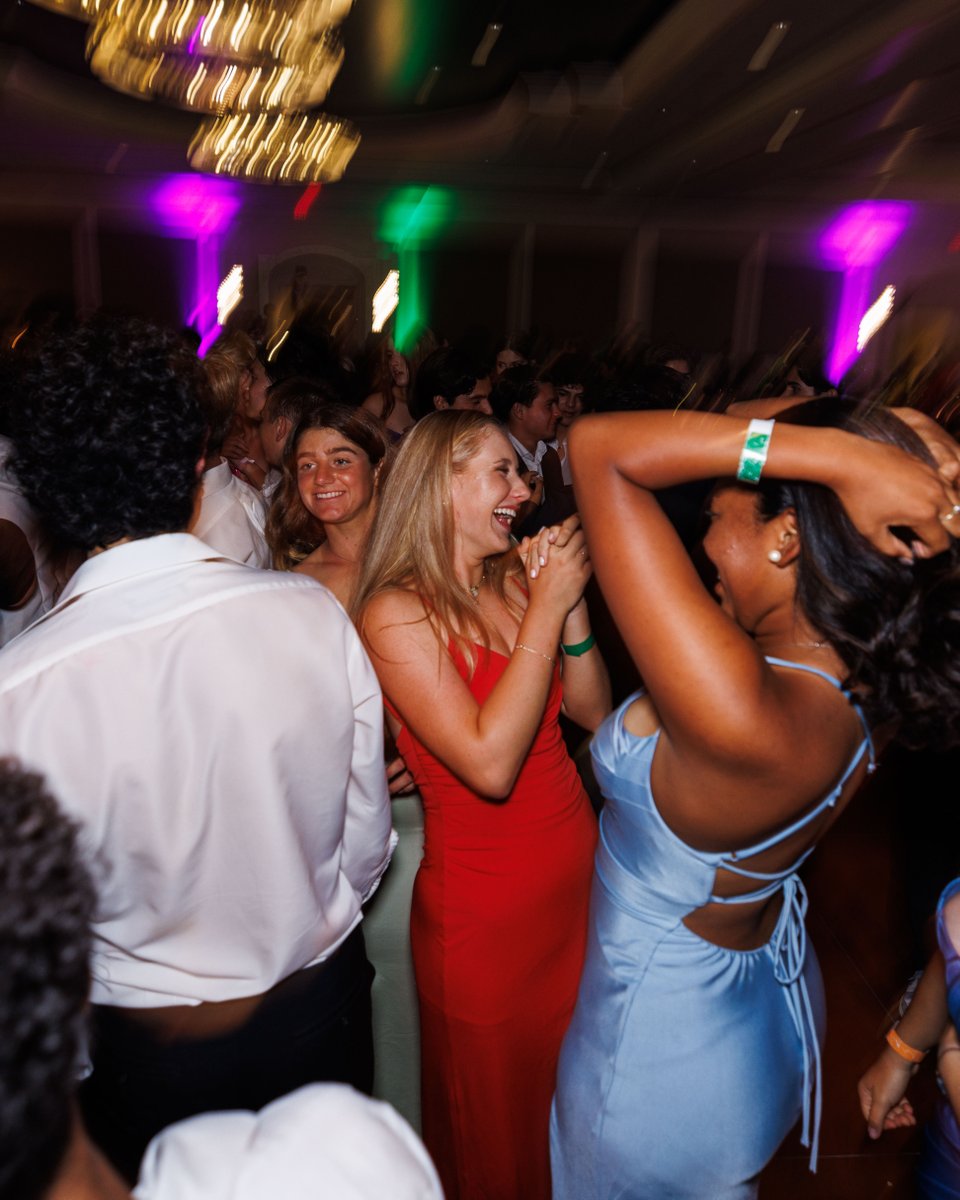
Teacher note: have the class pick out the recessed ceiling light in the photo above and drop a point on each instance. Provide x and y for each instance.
(787, 126)
(428, 85)
(485, 45)
(594, 171)
(768, 47)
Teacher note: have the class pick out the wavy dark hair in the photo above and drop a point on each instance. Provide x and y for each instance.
(895, 625)
(517, 385)
(446, 372)
(292, 532)
(109, 431)
(46, 907)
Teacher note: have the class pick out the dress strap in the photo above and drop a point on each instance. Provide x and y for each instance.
(795, 666)
(865, 747)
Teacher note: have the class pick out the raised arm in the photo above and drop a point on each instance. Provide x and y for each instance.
(708, 680)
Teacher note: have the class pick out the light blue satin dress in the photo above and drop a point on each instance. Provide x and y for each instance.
(685, 1064)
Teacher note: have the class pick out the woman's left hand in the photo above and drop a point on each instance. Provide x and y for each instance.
(882, 486)
(943, 448)
(549, 535)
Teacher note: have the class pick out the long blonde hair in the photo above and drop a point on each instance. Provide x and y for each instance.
(412, 542)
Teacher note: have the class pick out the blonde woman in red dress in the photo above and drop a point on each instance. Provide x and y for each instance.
(465, 635)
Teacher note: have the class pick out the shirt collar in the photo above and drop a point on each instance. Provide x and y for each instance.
(532, 460)
(217, 478)
(131, 559)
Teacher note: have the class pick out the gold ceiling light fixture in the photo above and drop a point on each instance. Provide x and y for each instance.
(256, 66)
(218, 82)
(82, 10)
(245, 30)
(274, 147)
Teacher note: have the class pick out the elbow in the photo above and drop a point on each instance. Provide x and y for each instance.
(491, 781)
(589, 718)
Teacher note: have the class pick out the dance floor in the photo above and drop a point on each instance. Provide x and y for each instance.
(861, 900)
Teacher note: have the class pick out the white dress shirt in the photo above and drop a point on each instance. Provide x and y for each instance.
(323, 1140)
(218, 731)
(232, 517)
(530, 461)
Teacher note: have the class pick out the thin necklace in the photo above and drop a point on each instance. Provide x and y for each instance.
(474, 589)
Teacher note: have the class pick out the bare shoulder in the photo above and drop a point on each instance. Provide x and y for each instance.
(395, 619)
(392, 607)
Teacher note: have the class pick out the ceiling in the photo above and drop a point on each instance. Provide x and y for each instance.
(616, 104)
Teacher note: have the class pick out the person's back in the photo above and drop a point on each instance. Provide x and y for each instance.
(199, 766)
(219, 734)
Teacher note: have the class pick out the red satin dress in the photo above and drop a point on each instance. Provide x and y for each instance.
(498, 930)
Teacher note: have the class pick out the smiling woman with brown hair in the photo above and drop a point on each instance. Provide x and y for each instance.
(334, 463)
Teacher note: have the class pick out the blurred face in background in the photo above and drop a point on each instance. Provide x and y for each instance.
(570, 402)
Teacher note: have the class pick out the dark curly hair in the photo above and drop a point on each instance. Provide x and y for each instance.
(109, 431)
(895, 625)
(292, 532)
(46, 906)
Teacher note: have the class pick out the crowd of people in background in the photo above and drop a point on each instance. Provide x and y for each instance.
(742, 587)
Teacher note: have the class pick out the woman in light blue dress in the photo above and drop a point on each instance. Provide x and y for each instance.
(695, 1044)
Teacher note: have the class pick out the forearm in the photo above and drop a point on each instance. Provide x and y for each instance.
(659, 449)
(508, 720)
(924, 1020)
(586, 683)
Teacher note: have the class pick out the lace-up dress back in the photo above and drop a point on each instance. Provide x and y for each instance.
(685, 1064)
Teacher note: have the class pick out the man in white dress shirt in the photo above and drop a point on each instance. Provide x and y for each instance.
(322, 1139)
(218, 732)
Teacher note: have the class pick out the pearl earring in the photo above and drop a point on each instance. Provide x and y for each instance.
(774, 556)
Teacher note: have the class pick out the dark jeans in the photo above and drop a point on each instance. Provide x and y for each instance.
(312, 1027)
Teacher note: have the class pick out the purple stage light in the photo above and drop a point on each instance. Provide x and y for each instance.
(195, 205)
(863, 233)
(202, 208)
(854, 243)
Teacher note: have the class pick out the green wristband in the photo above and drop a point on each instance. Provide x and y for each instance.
(579, 648)
(753, 456)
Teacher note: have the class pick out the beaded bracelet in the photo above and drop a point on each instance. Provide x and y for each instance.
(907, 1052)
(579, 648)
(753, 456)
(530, 650)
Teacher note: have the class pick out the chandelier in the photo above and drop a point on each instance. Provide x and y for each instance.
(256, 66)
(278, 148)
(214, 82)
